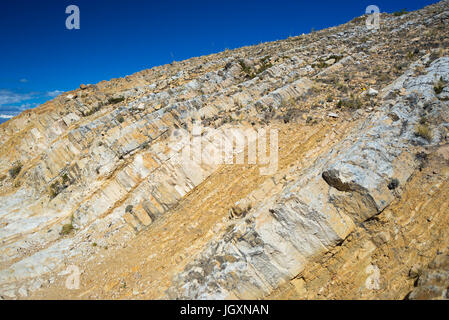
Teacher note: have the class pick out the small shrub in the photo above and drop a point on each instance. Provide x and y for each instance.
(320, 64)
(400, 13)
(394, 183)
(337, 58)
(91, 111)
(14, 171)
(57, 187)
(423, 120)
(54, 190)
(65, 178)
(66, 229)
(439, 86)
(116, 100)
(266, 64)
(350, 103)
(145, 145)
(129, 209)
(120, 119)
(246, 69)
(410, 55)
(236, 212)
(423, 159)
(423, 131)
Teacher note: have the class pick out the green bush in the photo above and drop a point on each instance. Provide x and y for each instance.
(66, 229)
(350, 103)
(400, 13)
(439, 86)
(394, 183)
(65, 178)
(14, 171)
(246, 69)
(266, 64)
(57, 187)
(116, 100)
(423, 131)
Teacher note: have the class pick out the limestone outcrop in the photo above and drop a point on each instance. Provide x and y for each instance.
(318, 210)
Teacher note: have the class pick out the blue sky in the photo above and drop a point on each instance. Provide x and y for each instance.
(40, 58)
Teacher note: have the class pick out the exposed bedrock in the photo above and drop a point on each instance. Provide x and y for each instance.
(357, 180)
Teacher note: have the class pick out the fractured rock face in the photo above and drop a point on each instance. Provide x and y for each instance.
(315, 212)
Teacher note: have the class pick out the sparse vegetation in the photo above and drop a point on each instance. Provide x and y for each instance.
(319, 64)
(116, 100)
(423, 131)
(236, 212)
(54, 190)
(400, 13)
(15, 170)
(250, 72)
(337, 58)
(57, 187)
(91, 111)
(323, 63)
(265, 64)
(65, 178)
(439, 86)
(67, 228)
(246, 69)
(393, 184)
(351, 103)
(423, 159)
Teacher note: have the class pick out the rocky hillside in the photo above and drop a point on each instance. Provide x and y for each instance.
(356, 206)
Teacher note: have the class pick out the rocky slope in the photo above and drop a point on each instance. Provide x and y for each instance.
(355, 208)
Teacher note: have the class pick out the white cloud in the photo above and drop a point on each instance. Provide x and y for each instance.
(54, 93)
(9, 97)
(13, 103)
(23, 80)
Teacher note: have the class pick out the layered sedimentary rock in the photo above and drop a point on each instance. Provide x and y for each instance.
(357, 180)
(96, 178)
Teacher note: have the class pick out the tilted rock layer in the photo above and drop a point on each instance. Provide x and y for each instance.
(355, 208)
